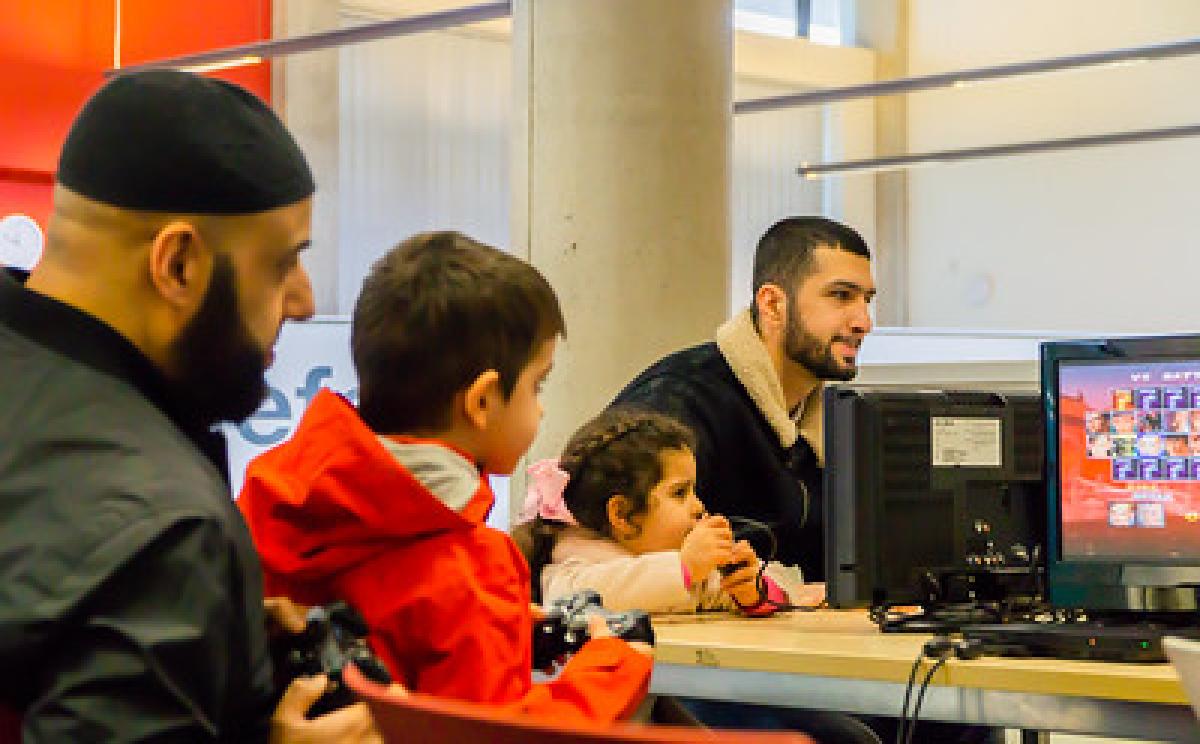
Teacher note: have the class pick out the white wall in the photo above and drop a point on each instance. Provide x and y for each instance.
(424, 145)
(1102, 238)
(767, 148)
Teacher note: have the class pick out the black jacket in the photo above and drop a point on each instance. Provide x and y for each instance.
(130, 593)
(742, 469)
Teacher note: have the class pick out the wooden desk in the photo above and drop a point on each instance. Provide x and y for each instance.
(837, 660)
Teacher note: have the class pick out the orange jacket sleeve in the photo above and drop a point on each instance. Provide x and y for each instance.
(603, 683)
(467, 644)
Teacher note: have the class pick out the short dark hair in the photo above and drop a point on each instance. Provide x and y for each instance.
(785, 251)
(434, 313)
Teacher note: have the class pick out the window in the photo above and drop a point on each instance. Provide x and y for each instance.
(827, 21)
(774, 17)
(822, 21)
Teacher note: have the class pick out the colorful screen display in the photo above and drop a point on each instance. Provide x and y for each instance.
(1129, 460)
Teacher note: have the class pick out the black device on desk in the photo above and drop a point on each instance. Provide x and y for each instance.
(1123, 493)
(933, 497)
(1084, 641)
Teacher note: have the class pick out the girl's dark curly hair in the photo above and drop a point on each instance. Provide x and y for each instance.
(617, 452)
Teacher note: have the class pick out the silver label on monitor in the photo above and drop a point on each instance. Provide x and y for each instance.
(967, 442)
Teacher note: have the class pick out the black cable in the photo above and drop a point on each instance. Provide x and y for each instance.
(916, 714)
(753, 525)
(747, 525)
(940, 647)
(1039, 576)
(789, 607)
(951, 616)
(934, 610)
(912, 677)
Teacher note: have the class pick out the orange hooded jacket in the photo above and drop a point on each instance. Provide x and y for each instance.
(335, 515)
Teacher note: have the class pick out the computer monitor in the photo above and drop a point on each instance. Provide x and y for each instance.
(921, 481)
(1123, 473)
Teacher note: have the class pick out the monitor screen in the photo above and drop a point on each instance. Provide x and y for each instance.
(1123, 474)
(1129, 460)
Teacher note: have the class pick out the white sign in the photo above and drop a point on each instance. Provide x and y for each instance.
(967, 442)
(310, 356)
(21, 242)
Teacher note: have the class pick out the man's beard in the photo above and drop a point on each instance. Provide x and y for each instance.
(805, 349)
(219, 367)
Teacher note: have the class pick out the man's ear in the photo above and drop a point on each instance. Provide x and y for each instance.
(771, 301)
(618, 508)
(482, 399)
(180, 264)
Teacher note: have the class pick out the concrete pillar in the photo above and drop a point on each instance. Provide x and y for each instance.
(305, 93)
(621, 181)
(883, 26)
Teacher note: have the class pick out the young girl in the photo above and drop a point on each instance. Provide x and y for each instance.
(619, 514)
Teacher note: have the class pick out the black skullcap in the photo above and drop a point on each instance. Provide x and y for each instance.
(170, 141)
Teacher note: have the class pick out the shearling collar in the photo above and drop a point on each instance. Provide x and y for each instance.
(747, 356)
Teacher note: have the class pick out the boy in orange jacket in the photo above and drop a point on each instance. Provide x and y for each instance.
(384, 506)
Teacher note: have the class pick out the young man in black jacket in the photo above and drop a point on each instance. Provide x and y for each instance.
(131, 604)
(753, 396)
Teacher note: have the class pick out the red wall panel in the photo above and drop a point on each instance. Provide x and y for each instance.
(58, 33)
(26, 194)
(153, 29)
(54, 53)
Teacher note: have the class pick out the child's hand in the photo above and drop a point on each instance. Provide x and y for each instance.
(742, 584)
(708, 545)
(598, 628)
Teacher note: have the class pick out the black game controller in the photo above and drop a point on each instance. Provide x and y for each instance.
(564, 630)
(730, 568)
(333, 636)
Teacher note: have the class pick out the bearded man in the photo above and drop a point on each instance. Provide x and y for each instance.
(753, 397)
(131, 605)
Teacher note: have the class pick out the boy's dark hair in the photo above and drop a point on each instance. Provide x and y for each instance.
(434, 313)
(784, 254)
(617, 452)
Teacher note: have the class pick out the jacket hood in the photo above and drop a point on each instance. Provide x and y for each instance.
(333, 496)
